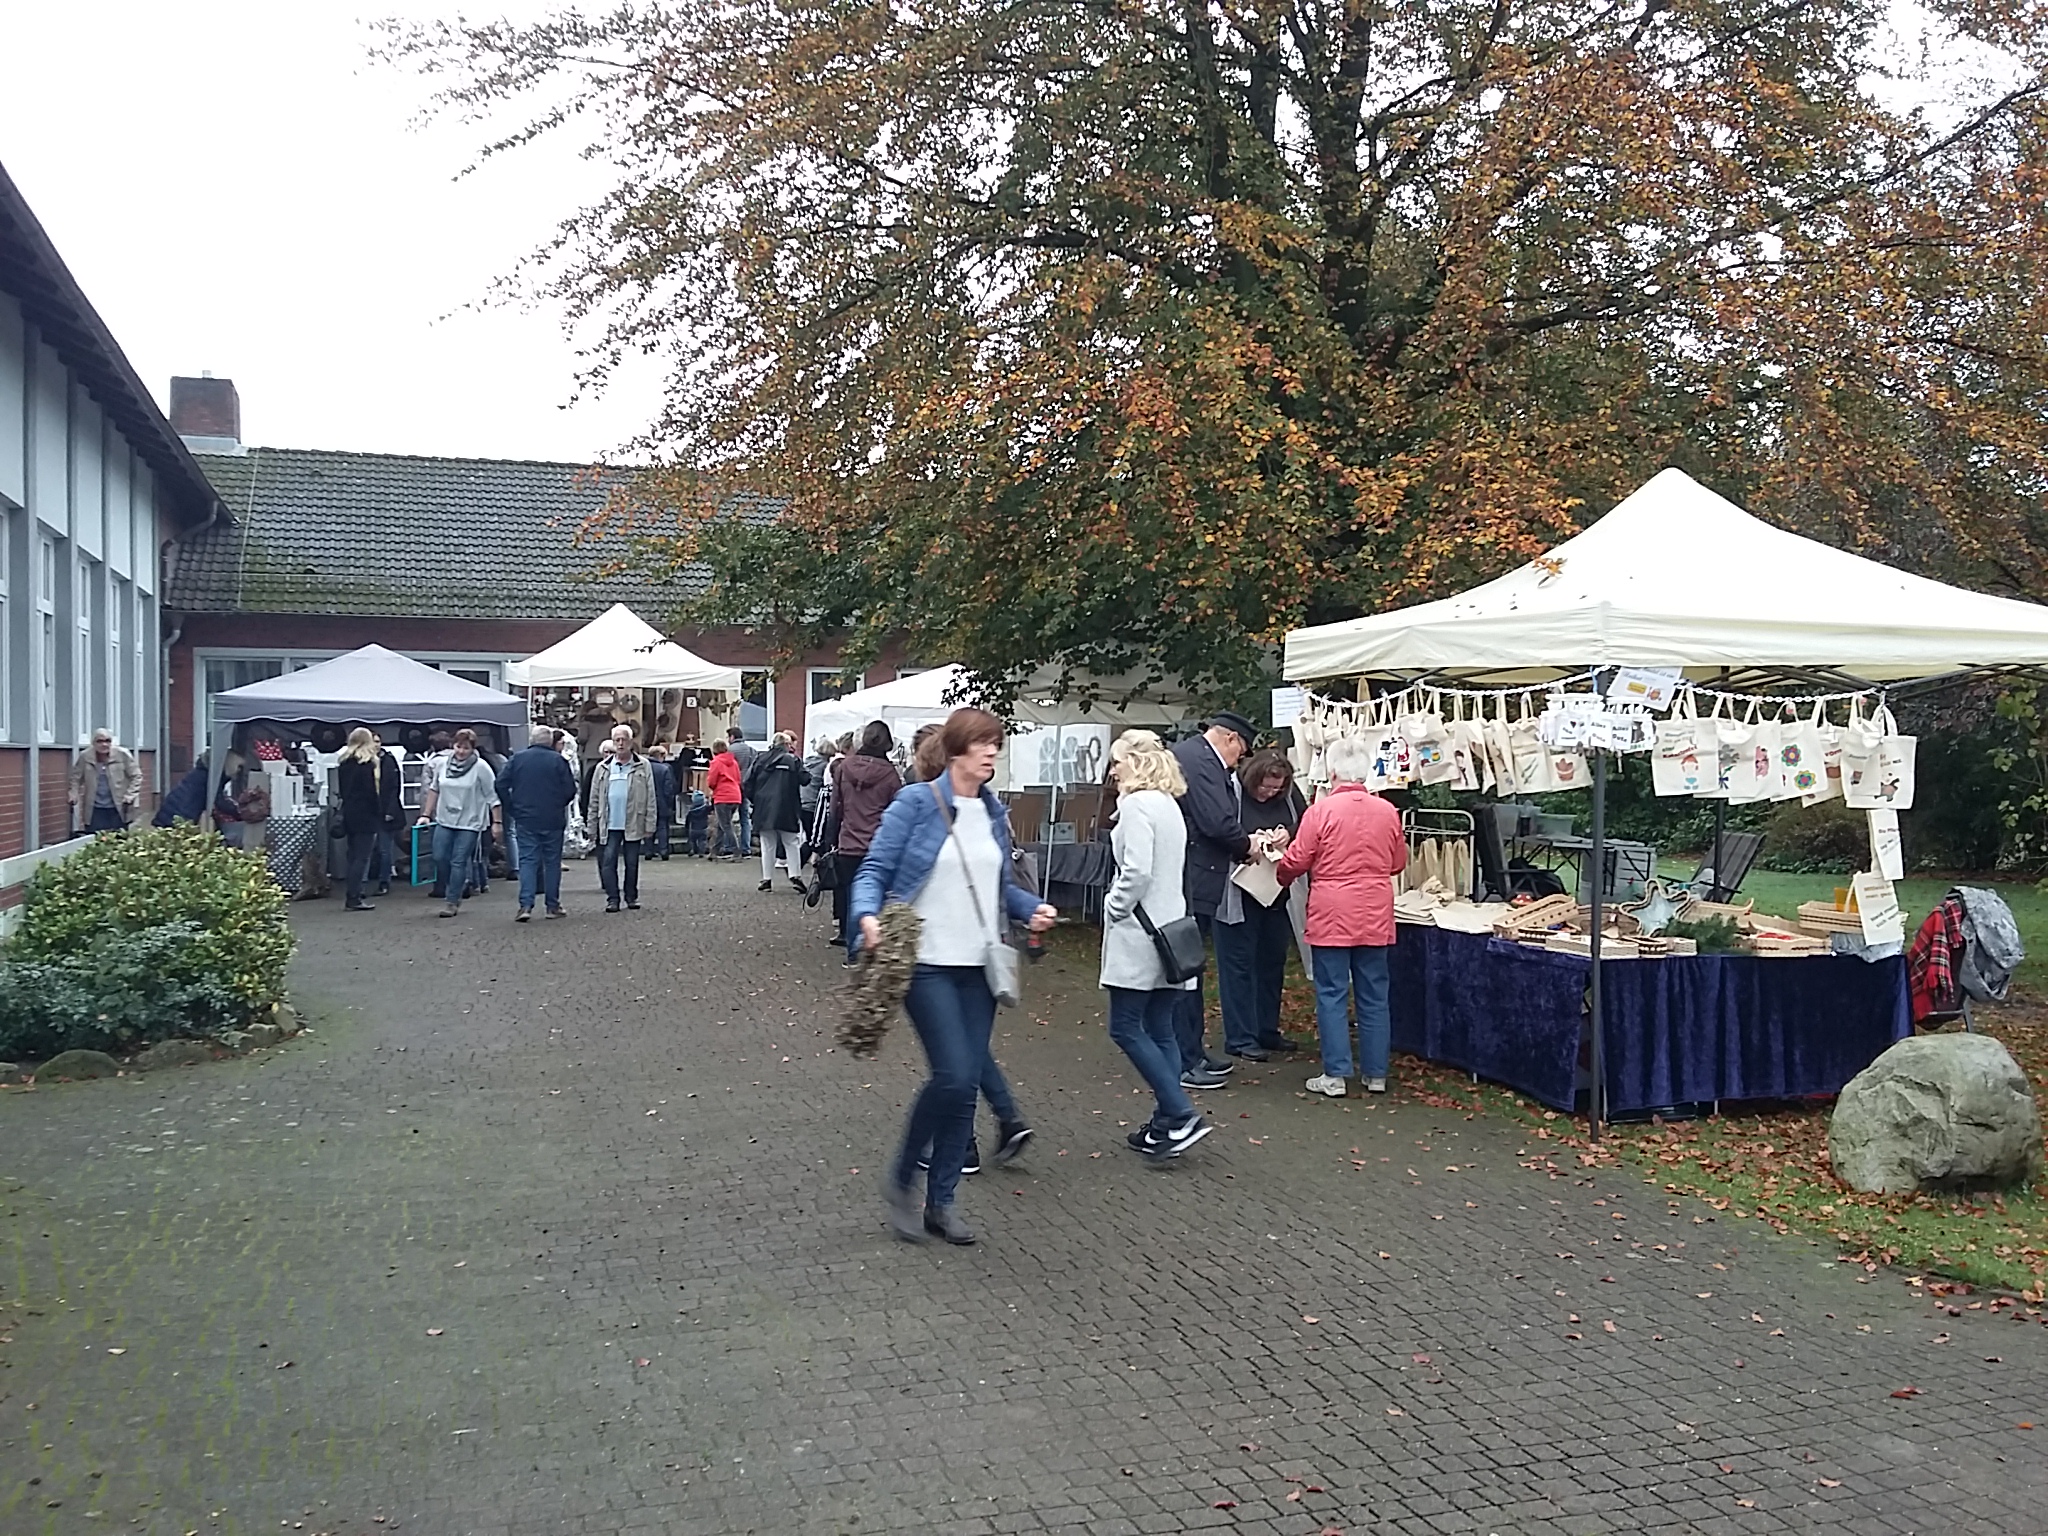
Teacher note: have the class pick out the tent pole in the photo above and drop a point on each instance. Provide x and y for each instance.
(1597, 1099)
(1720, 818)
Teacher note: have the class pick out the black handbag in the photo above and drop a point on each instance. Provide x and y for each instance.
(1182, 951)
(825, 867)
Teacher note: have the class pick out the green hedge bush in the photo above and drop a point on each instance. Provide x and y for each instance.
(144, 936)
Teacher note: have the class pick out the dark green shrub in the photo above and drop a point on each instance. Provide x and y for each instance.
(1713, 935)
(139, 881)
(121, 992)
(1828, 839)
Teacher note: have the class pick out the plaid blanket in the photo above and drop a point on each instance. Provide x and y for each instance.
(1931, 962)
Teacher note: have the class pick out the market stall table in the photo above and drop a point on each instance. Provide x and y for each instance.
(1680, 1030)
(288, 838)
(1073, 876)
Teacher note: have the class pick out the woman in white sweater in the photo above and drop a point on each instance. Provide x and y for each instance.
(1150, 842)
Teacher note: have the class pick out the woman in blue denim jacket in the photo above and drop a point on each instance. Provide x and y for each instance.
(944, 847)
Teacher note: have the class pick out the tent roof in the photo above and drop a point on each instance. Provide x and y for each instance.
(371, 684)
(619, 649)
(1120, 701)
(1677, 576)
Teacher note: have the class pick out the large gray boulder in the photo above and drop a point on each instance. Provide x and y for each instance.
(1937, 1112)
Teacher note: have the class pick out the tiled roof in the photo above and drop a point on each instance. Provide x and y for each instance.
(320, 532)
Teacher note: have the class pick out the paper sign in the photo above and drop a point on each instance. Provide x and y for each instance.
(1887, 856)
(1258, 881)
(1877, 903)
(1288, 706)
(1652, 687)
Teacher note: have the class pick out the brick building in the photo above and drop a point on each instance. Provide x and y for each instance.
(464, 564)
(97, 498)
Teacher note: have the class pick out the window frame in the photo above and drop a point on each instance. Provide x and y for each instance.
(45, 639)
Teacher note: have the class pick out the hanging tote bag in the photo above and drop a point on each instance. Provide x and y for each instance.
(1878, 763)
(1828, 765)
(1680, 763)
(1429, 738)
(1802, 752)
(1500, 748)
(1531, 758)
(998, 960)
(1754, 774)
(1468, 750)
(1181, 951)
(1732, 739)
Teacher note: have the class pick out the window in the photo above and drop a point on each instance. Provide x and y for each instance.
(826, 684)
(225, 672)
(85, 696)
(117, 695)
(757, 703)
(140, 696)
(478, 675)
(46, 639)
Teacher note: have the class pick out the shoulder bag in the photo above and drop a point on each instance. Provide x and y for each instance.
(1182, 953)
(998, 960)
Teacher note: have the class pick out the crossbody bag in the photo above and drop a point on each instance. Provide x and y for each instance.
(1181, 950)
(998, 960)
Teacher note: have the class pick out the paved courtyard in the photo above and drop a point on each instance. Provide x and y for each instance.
(575, 1228)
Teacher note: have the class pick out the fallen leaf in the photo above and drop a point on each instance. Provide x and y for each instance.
(1420, 1359)
(1224, 1504)
(435, 1333)
(1726, 1466)
(117, 1351)
(1746, 1503)
(1397, 1413)
(1907, 1392)
(1307, 1319)
(1831, 1482)
(1609, 1326)
(1294, 1496)
(643, 1362)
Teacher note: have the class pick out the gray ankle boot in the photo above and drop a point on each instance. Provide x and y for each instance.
(903, 1210)
(944, 1221)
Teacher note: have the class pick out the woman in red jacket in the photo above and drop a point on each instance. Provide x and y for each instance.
(1350, 846)
(722, 778)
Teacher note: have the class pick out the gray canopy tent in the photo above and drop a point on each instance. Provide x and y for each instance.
(371, 686)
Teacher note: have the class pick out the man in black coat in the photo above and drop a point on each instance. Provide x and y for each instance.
(664, 800)
(1217, 844)
(537, 787)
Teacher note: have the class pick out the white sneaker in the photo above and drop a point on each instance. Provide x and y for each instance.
(1329, 1087)
(1376, 1085)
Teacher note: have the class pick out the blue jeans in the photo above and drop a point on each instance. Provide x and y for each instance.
(746, 827)
(540, 868)
(454, 860)
(1343, 974)
(1190, 1009)
(609, 852)
(1143, 1025)
(1236, 987)
(385, 859)
(953, 1012)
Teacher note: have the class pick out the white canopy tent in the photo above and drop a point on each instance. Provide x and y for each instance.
(619, 649)
(925, 697)
(1677, 576)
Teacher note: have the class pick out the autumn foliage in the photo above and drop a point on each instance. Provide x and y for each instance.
(1144, 330)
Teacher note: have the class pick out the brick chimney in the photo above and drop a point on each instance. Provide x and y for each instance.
(207, 413)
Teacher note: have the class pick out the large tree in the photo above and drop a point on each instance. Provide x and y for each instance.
(1111, 331)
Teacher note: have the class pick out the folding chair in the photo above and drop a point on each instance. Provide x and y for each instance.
(1737, 856)
(1504, 881)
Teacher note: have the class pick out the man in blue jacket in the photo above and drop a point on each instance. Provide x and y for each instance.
(537, 787)
(1216, 845)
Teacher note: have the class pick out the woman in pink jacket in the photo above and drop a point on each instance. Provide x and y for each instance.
(1350, 846)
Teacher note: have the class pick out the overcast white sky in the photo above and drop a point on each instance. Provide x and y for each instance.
(237, 189)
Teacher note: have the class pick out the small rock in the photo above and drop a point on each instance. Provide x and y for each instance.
(286, 1018)
(11, 1072)
(171, 1053)
(1936, 1112)
(78, 1066)
(263, 1032)
(237, 1040)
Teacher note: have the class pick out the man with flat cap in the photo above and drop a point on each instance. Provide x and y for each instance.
(1216, 845)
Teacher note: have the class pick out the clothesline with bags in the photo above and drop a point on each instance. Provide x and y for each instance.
(1748, 748)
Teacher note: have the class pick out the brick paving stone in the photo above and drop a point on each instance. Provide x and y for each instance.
(574, 1147)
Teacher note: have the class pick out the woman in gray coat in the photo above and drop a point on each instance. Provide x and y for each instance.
(1150, 842)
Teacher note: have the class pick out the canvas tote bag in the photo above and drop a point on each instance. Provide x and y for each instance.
(1531, 758)
(1878, 763)
(1828, 767)
(1680, 762)
(1754, 775)
(1802, 756)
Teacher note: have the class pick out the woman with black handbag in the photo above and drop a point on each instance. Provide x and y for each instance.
(1149, 942)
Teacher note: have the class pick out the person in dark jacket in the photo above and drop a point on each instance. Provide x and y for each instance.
(187, 799)
(1217, 843)
(538, 788)
(774, 788)
(1251, 954)
(368, 782)
(863, 784)
(664, 800)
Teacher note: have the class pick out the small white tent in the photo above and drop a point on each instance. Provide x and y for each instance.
(923, 697)
(619, 649)
(903, 705)
(1677, 576)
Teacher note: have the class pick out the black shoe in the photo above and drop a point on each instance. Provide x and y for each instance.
(1172, 1140)
(801, 889)
(632, 906)
(524, 914)
(357, 906)
(850, 963)
(837, 941)
(1143, 1139)
(1283, 1046)
(765, 885)
(1201, 1077)
(556, 912)
(1253, 1053)
(611, 906)
(383, 890)
(944, 1221)
(1217, 1063)
(1013, 1135)
(972, 1162)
